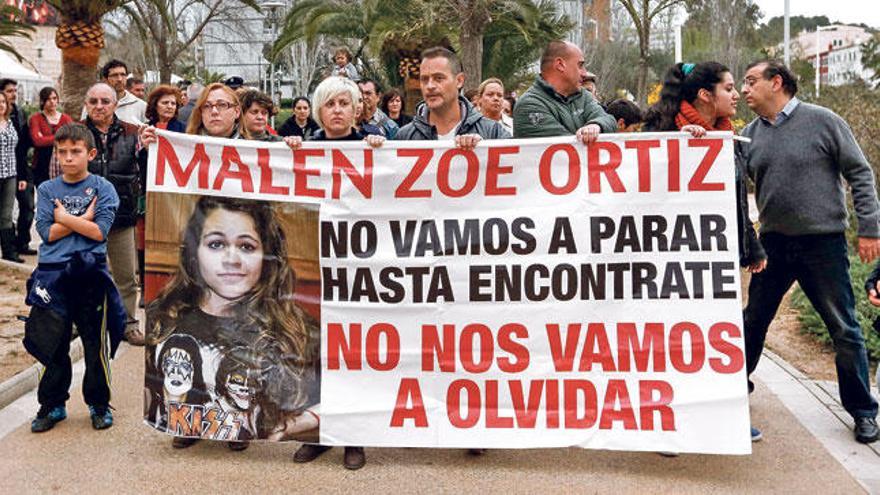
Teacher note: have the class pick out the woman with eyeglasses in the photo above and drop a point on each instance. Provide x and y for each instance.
(43, 125)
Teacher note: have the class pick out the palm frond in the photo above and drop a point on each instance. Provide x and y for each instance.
(12, 25)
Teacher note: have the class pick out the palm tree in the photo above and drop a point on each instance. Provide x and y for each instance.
(374, 22)
(80, 38)
(511, 46)
(11, 24)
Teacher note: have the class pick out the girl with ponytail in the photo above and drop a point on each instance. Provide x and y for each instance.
(702, 97)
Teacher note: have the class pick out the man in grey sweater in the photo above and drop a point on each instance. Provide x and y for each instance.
(797, 156)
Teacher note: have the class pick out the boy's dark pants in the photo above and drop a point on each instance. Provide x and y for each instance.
(87, 311)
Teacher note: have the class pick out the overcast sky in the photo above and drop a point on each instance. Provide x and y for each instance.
(855, 11)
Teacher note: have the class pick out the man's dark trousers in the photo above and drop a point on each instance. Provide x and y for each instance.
(820, 265)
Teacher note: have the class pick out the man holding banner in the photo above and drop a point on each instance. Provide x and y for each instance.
(556, 104)
(796, 158)
(445, 114)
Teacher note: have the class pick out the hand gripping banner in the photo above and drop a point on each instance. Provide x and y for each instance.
(528, 293)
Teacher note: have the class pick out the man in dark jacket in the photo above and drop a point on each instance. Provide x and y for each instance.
(117, 161)
(556, 104)
(445, 114)
(24, 193)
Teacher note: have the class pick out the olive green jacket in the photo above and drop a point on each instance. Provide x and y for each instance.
(542, 112)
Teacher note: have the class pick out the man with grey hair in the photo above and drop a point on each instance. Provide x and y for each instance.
(556, 104)
(192, 94)
(117, 161)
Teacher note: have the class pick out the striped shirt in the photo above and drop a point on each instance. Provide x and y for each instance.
(8, 141)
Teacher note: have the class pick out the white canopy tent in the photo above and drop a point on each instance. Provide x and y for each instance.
(29, 81)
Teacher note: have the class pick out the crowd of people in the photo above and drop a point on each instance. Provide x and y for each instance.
(91, 199)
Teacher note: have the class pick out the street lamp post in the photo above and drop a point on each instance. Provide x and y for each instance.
(819, 29)
(787, 36)
(272, 7)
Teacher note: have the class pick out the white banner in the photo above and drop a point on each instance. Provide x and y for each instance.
(529, 293)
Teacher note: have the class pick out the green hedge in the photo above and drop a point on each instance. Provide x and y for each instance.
(812, 323)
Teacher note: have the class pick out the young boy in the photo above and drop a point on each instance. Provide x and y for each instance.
(627, 114)
(71, 284)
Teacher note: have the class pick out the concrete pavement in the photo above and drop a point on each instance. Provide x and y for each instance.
(132, 458)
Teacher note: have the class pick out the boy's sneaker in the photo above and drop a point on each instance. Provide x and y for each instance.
(756, 434)
(101, 417)
(47, 417)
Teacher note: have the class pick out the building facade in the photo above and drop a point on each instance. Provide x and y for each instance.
(840, 53)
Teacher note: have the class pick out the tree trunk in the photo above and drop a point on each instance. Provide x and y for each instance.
(166, 68)
(475, 17)
(642, 82)
(80, 43)
(644, 54)
(471, 58)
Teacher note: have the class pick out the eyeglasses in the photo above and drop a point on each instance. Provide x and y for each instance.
(95, 101)
(219, 105)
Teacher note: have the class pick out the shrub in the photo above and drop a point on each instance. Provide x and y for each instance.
(812, 324)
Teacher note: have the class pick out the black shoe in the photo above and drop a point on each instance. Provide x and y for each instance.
(866, 430)
(101, 416)
(47, 417)
(354, 458)
(237, 446)
(309, 452)
(27, 251)
(183, 442)
(7, 246)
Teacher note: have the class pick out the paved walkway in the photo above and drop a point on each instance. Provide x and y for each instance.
(132, 458)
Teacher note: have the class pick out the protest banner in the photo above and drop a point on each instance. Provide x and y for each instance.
(528, 293)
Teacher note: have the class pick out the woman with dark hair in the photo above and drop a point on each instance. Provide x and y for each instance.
(256, 108)
(43, 125)
(233, 289)
(163, 104)
(702, 97)
(392, 105)
(301, 122)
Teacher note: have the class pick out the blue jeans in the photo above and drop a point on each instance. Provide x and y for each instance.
(820, 265)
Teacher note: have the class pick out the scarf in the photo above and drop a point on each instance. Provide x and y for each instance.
(688, 115)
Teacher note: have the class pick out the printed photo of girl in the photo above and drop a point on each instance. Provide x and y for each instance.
(232, 293)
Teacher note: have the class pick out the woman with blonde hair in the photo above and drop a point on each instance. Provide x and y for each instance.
(490, 95)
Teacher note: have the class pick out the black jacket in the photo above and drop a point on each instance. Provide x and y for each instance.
(472, 122)
(291, 128)
(23, 171)
(117, 161)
